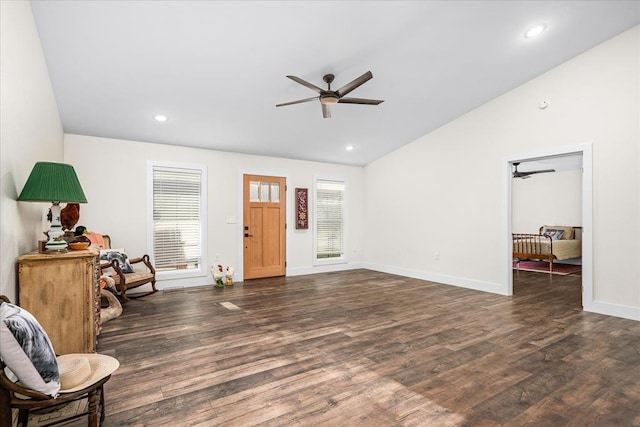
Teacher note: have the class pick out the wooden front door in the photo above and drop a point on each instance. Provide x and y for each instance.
(264, 226)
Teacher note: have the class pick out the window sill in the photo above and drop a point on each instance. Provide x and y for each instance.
(330, 261)
(172, 275)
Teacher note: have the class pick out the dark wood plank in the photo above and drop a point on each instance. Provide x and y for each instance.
(368, 348)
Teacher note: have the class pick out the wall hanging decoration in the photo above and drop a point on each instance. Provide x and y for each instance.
(302, 209)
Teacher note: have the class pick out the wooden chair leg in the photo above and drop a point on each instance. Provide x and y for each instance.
(23, 417)
(93, 400)
(102, 411)
(5, 408)
(123, 293)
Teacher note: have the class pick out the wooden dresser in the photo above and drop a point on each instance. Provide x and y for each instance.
(62, 292)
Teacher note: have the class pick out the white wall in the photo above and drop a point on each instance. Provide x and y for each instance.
(443, 191)
(30, 131)
(546, 199)
(113, 174)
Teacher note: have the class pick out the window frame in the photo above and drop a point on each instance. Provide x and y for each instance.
(202, 269)
(343, 259)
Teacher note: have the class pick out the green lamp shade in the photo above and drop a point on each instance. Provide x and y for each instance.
(52, 182)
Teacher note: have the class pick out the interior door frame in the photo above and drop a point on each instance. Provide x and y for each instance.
(586, 150)
(239, 273)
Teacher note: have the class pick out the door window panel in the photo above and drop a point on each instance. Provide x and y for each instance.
(264, 192)
(253, 191)
(275, 192)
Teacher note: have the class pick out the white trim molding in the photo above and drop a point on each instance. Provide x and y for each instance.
(462, 282)
(586, 150)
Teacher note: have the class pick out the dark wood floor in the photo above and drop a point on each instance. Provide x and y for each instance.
(372, 349)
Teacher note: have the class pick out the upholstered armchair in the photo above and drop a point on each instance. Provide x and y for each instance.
(116, 264)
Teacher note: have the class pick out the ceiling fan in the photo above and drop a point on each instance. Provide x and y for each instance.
(524, 175)
(329, 97)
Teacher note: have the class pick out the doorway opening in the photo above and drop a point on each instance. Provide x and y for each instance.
(547, 221)
(516, 203)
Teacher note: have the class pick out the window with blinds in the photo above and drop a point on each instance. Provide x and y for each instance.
(178, 201)
(329, 223)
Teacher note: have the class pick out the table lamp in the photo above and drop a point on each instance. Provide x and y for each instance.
(55, 183)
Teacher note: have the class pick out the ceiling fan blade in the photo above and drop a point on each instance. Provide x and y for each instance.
(313, 98)
(541, 171)
(518, 174)
(306, 83)
(534, 172)
(326, 112)
(354, 84)
(360, 101)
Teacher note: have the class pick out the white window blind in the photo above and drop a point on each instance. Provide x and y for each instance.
(177, 220)
(329, 219)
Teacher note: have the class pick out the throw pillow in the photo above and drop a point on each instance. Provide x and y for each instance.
(119, 255)
(27, 351)
(553, 233)
(568, 232)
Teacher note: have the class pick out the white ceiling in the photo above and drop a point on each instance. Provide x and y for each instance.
(217, 69)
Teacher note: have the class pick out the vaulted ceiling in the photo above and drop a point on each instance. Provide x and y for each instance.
(217, 69)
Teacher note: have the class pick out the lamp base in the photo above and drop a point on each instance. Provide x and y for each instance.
(56, 240)
(56, 235)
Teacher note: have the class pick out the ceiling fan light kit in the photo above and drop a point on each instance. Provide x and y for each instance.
(329, 97)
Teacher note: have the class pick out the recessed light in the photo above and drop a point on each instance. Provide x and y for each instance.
(349, 147)
(160, 118)
(535, 31)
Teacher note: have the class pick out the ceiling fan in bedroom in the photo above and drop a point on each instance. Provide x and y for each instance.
(328, 97)
(524, 175)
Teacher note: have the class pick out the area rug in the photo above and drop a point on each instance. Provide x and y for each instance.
(543, 267)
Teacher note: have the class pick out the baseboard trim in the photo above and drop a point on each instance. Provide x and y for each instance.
(611, 309)
(170, 284)
(327, 268)
(462, 282)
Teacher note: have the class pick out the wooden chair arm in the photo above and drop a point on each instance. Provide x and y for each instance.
(115, 264)
(6, 383)
(116, 267)
(144, 259)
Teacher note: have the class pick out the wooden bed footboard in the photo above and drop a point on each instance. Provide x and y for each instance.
(533, 246)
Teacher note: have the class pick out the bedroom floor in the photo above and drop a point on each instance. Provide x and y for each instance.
(372, 349)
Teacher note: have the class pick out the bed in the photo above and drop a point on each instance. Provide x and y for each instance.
(549, 244)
